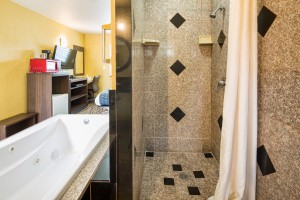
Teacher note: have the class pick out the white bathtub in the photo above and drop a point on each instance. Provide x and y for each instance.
(41, 161)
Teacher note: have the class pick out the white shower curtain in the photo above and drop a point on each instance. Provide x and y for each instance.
(237, 178)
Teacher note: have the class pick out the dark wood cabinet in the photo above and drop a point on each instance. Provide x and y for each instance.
(41, 87)
(12, 125)
(78, 94)
(39, 93)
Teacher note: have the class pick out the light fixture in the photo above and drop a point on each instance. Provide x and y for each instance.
(121, 26)
(63, 41)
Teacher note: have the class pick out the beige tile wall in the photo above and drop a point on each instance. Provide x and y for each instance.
(190, 90)
(278, 97)
(138, 134)
(279, 101)
(218, 71)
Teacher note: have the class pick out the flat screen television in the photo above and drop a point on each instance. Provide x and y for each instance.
(66, 56)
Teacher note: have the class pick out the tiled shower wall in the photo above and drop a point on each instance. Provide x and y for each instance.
(177, 76)
(137, 96)
(279, 99)
(278, 96)
(218, 72)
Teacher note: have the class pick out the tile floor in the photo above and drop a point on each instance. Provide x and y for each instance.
(177, 176)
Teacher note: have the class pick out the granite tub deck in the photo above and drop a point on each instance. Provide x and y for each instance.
(179, 176)
(81, 182)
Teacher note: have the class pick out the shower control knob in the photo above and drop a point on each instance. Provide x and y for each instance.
(222, 82)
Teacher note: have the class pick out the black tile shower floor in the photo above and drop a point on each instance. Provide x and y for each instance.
(194, 177)
(198, 174)
(177, 167)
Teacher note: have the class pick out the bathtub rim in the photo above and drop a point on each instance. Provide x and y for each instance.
(78, 186)
(83, 164)
(27, 132)
(53, 120)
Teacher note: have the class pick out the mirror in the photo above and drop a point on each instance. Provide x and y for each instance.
(79, 63)
(123, 55)
(106, 43)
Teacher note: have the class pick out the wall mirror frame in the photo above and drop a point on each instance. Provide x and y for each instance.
(123, 59)
(79, 68)
(106, 55)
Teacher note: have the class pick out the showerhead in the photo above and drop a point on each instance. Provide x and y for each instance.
(214, 13)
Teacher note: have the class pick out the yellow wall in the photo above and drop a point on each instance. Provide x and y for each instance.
(93, 61)
(23, 35)
(113, 41)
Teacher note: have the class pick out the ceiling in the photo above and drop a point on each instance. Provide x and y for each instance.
(85, 16)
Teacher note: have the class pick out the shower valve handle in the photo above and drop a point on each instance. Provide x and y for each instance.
(222, 82)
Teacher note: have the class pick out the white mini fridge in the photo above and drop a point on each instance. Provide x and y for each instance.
(60, 104)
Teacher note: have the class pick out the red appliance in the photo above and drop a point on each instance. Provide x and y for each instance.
(44, 65)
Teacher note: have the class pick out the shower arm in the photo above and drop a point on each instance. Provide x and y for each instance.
(213, 14)
(221, 8)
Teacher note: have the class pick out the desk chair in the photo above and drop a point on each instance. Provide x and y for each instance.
(93, 87)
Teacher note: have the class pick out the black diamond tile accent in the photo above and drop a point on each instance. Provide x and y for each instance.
(177, 20)
(149, 154)
(220, 122)
(177, 167)
(177, 114)
(264, 162)
(193, 190)
(208, 155)
(177, 67)
(264, 20)
(221, 38)
(169, 181)
(198, 174)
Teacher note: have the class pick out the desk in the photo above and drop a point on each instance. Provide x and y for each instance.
(78, 94)
(90, 87)
(40, 87)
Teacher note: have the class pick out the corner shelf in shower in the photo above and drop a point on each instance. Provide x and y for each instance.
(150, 42)
(205, 40)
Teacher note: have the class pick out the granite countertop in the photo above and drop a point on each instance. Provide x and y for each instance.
(82, 180)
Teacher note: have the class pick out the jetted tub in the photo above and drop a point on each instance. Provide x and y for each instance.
(43, 160)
